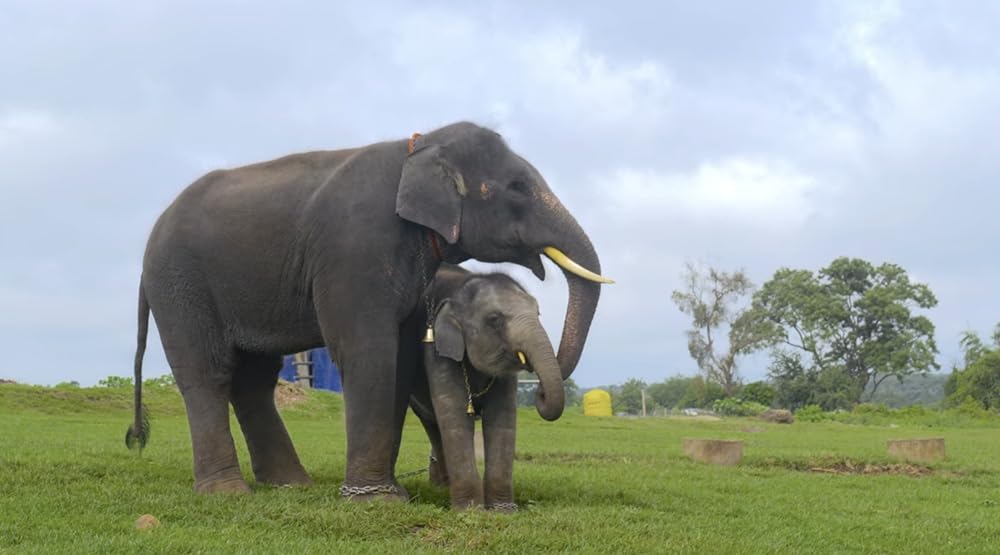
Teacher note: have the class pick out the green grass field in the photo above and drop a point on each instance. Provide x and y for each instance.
(585, 485)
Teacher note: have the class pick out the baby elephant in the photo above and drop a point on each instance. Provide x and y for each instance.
(486, 329)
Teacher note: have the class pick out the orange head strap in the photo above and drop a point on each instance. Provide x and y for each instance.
(409, 144)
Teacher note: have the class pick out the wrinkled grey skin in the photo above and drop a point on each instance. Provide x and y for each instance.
(481, 323)
(333, 247)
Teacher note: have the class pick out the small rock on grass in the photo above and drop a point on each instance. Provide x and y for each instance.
(146, 522)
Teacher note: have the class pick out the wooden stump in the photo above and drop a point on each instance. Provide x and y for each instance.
(923, 450)
(714, 451)
(778, 416)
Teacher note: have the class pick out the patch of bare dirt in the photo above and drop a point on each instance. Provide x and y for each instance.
(696, 418)
(849, 467)
(571, 457)
(289, 394)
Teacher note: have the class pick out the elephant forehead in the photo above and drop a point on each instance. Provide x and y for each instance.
(499, 295)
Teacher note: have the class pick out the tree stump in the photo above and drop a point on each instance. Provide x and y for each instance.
(714, 451)
(779, 416)
(922, 450)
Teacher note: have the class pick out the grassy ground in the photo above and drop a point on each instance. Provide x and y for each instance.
(591, 485)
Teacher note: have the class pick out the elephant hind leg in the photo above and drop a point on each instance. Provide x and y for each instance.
(436, 469)
(216, 468)
(272, 454)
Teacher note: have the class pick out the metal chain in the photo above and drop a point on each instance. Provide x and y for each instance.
(503, 506)
(410, 473)
(428, 301)
(431, 458)
(470, 409)
(351, 491)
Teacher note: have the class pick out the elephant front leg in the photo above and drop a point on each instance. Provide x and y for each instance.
(499, 426)
(457, 428)
(370, 396)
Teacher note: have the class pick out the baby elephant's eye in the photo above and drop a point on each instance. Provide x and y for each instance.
(495, 320)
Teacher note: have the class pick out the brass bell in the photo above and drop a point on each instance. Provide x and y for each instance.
(429, 335)
(469, 409)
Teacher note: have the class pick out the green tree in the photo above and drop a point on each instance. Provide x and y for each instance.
(115, 381)
(980, 379)
(628, 398)
(980, 382)
(711, 298)
(573, 396)
(855, 321)
(758, 392)
(668, 393)
(973, 347)
(793, 382)
(526, 391)
(797, 385)
(701, 394)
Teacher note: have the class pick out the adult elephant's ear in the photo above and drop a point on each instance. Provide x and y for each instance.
(448, 339)
(431, 191)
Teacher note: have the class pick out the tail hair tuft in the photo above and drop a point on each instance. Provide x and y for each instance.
(138, 438)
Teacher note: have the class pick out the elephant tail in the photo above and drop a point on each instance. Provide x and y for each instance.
(138, 433)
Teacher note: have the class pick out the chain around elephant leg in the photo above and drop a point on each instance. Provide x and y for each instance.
(386, 492)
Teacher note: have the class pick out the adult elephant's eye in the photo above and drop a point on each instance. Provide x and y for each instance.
(518, 186)
(495, 320)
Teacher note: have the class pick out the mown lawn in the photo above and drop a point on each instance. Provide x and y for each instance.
(585, 485)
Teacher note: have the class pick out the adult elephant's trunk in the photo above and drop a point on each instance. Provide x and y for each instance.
(576, 256)
(537, 350)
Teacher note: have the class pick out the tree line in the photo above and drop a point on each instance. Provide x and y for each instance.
(835, 337)
(849, 333)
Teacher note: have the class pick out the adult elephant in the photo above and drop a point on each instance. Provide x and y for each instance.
(334, 248)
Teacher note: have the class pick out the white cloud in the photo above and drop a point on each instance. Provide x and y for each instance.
(575, 82)
(763, 193)
(544, 73)
(20, 124)
(921, 104)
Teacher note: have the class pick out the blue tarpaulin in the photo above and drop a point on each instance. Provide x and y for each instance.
(325, 373)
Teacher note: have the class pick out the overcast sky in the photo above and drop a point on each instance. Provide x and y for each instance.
(740, 134)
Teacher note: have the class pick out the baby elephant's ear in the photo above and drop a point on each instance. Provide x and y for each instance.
(448, 339)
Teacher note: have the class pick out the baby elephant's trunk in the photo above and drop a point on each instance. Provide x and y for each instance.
(549, 397)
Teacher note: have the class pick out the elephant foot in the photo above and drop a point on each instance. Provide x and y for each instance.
(438, 473)
(502, 507)
(227, 480)
(293, 478)
(462, 506)
(392, 493)
(228, 485)
(302, 482)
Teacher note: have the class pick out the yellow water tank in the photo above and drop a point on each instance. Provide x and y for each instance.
(597, 402)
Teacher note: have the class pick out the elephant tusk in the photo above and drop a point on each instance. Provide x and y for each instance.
(566, 263)
(522, 358)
